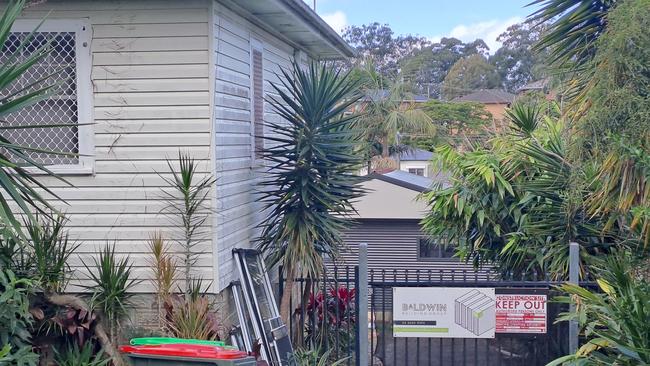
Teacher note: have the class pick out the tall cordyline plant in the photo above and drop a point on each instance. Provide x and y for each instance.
(187, 208)
(312, 156)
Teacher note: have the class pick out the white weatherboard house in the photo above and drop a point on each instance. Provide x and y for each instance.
(147, 78)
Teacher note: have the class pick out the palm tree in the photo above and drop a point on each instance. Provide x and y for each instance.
(16, 180)
(312, 158)
(388, 113)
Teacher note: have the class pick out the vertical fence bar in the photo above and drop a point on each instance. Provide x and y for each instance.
(383, 317)
(362, 295)
(350, 314)
(338, 315)
(574, 276)
(326, 317)
(406, 339)
(373, 320)
(393, 329)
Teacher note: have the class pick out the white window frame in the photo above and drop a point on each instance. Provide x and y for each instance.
(83, 64)
(256, 44)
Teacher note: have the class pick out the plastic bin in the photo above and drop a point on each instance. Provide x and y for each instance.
(149, 341)
(185, 355)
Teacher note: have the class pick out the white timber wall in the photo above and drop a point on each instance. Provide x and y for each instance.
(151, 98)
(237, 203)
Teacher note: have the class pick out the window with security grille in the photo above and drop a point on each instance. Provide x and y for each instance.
(64, 104)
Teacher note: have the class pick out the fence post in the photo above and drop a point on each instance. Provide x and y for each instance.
(362, 307)
(574, 278)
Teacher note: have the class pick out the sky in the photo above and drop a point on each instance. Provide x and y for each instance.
(462, 19)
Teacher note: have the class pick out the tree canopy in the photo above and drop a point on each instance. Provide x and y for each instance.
(469, 74)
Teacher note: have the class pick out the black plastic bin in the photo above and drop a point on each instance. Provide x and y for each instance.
(156, 360)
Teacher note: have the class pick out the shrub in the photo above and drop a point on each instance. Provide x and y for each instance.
(85, 355)
(15, 320)
(614, 321)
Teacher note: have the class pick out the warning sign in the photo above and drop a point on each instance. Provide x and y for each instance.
(521, 313)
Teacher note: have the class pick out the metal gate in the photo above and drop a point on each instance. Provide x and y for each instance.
(328, 311)
(503, 349)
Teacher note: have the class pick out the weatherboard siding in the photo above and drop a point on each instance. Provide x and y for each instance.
(237, 202)
(151, 98)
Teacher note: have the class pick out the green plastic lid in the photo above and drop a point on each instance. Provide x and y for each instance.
(151, 341)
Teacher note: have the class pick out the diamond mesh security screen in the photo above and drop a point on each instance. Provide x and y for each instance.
(61, 107)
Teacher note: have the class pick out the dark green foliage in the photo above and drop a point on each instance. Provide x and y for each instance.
(455, 122)
(376, 43)
(516, 61)
(309, 190)
(112, 280)
(469, 74)
(514, 203)
(427, 67)
(74, 355)
(615, 319)
(44, 256)
(619, 93)
(15, 320)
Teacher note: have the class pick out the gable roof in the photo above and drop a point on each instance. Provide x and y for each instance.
(534, 85)
(381, 94)
(488, 96)
(416, 155)
(405, 179)
(296, 23)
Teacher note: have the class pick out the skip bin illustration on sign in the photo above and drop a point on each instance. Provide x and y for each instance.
(475, 312)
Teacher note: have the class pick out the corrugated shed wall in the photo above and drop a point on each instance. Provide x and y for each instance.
(392, 245)
(150, 77)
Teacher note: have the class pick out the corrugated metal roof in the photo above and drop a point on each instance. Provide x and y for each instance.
(488, 96)
(416, 155)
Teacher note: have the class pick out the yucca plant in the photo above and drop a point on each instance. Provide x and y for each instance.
(314, 357)
(112, 279)
(17, 182)
(312, 157)
(85, 355)
(187, 207)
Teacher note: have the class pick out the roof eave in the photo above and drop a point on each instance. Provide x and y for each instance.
(320, 26)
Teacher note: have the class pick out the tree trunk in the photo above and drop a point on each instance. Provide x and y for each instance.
(285, 303)
(104, 340)
(385, 149)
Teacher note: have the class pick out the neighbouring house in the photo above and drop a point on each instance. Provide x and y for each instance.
(541, 87)
(388, 220)
(145, 79)
(495, 101)
(416, 161)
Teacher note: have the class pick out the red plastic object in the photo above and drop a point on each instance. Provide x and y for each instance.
(185, 350)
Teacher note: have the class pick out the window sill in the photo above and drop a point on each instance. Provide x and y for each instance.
(64, 170)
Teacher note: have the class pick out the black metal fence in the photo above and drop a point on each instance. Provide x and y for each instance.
(327, 319)
(324, 313)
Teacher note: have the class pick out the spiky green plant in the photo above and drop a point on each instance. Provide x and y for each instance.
(312, 156)
(112, 279)
(73, 355)
(614, 319)
(187, 207)
(16, 180)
